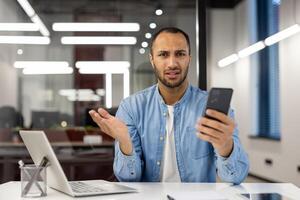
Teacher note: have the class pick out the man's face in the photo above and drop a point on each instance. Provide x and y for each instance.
(170, 59)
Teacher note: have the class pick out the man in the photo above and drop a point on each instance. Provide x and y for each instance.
(159, 132)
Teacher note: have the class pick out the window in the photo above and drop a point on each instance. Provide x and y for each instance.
(268, 115)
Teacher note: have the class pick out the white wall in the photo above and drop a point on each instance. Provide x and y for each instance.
(229, 33)
(8, 53)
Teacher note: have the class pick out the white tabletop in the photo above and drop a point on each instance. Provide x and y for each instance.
(158, 191)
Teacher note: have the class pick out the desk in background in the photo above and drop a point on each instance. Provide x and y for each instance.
(158, 191)
(80, 161)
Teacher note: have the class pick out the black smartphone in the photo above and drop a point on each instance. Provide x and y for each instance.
(219, 100)
(264, 196)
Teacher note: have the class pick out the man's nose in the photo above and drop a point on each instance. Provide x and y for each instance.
(172, 61)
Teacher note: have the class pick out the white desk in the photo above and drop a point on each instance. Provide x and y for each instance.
(158, 191)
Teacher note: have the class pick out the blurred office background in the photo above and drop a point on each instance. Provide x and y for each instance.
(60, 58)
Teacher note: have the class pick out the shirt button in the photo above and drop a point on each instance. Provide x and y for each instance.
(161, 138)
(158, 163)
(165, 114)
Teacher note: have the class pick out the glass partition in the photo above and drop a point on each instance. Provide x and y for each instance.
(60, 59)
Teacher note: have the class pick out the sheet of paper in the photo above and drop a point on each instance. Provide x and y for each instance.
(197, 195)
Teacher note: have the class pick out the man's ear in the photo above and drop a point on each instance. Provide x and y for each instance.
(151, 59)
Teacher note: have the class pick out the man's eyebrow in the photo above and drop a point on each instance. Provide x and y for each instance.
(181, 50)
(162, 51)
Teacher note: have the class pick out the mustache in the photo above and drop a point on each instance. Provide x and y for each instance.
(172, 69)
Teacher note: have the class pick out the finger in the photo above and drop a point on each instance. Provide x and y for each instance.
(219, 126)
(206, 137)
(210, 131)
(96, 117)
(103, 113)
(219, 116)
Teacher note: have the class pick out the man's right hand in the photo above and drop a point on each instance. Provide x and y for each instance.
(114, 128)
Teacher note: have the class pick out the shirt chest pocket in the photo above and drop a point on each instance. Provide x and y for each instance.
(197, 148)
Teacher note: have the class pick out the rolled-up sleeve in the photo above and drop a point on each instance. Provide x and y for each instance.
(128, 167)
(234, 168)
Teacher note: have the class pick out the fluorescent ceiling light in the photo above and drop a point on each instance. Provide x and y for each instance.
(20, 51)
(108, 89)
(117, 40)
(47, 70)
(27, 7)
(102, 67)
(97, 70)
(107, 27)
(282, 35)
(144, 44)
(79, 95)
(103, 64)
(34, 17)
(18, 27)
(152, 25)
(159, 12)
(67, 92)
(44, 31)
(142, 50)
(44, 64)
(251, 49)
(126, 84)
(74, 92)
(85, 98)
(228, 60)
(24, 40)
(148, 35)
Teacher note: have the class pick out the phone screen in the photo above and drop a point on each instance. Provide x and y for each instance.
(219, 100)
(264, 196)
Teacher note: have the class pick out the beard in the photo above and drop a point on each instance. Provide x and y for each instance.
(170, 84)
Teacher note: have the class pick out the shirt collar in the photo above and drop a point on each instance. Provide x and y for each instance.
(186, 96)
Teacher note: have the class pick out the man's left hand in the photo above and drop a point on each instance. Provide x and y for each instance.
(218, 133)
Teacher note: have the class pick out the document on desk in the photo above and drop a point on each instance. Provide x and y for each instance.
(197, 195)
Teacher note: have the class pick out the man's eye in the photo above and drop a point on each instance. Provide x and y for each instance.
(162, 54)
(181, 54)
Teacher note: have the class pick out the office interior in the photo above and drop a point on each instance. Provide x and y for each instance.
(36, 97)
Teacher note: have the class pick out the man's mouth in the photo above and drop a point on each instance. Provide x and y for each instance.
(172, 74)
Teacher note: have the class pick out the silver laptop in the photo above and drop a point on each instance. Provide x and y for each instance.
(38, 146)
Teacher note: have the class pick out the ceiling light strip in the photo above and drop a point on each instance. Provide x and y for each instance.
(277, 37)
(102, 67)
(27, 7)
(251, 49)
(103, 64)
(34, 17)
(228, 60)
(24, 40)
(97, 27)
(47, 70)
(101, 40)
(47, 64)
(108, 90)
(126, 84)
(292, 30)
(18, 27)
(43, 29)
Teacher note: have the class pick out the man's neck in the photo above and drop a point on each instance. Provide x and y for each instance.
(172, 95)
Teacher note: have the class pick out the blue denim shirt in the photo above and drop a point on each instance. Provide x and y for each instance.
(145, 113)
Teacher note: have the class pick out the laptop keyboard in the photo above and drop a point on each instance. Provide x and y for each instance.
(80, 187)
